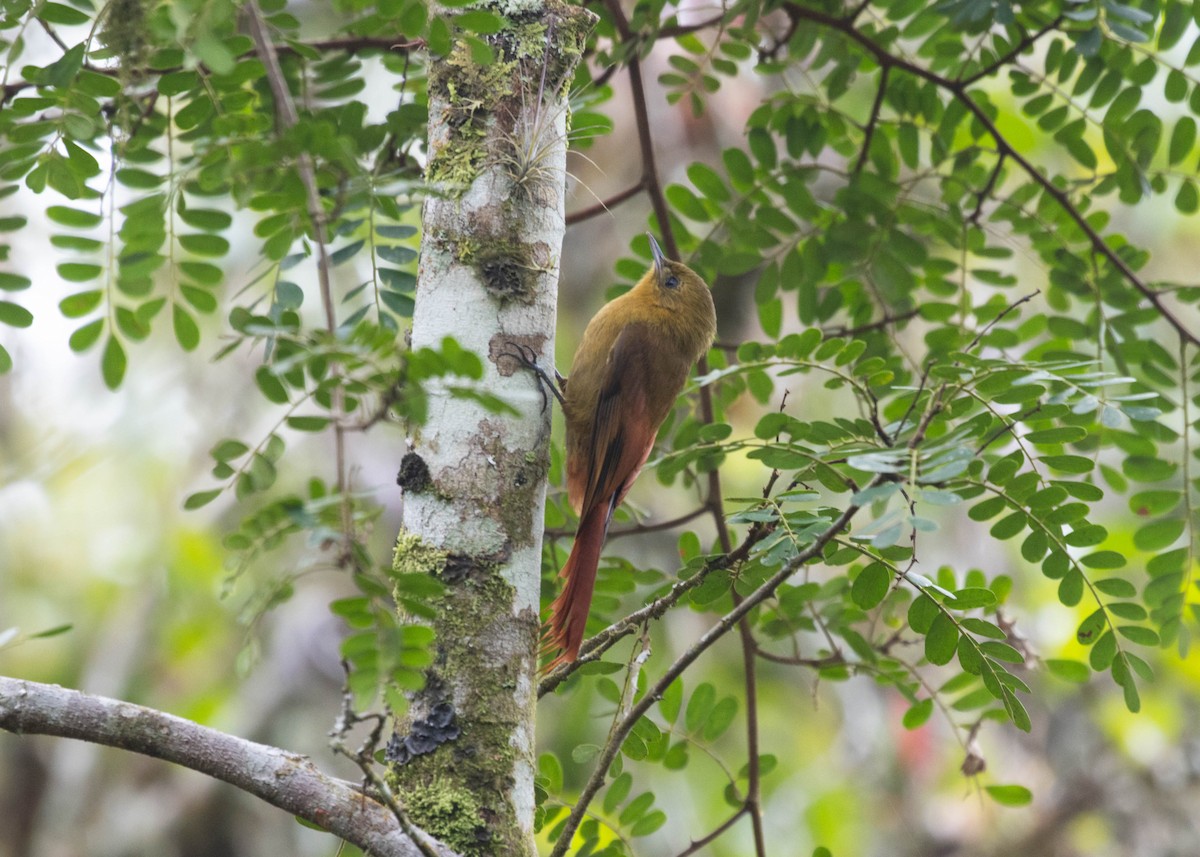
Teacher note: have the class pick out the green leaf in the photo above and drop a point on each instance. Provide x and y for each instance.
(57, 13)
(648, 823)
(671, 700)
(971, 597)
(186, 331)
(708, 182)
(6, 362)
(204, 244)
(1089, 629)
(228, 450)
(1183, 138)
(918, 713)
(1069, 463)
(308, 423)
(1009, 526)
(270, 385)
(1070, 588)
(1116, 586)
(1138, 634)
(1010, 795)
(80, 303)
(1159, 534)
(112, 364)
(1068, 670)
(15, 315)
(13, 282)
(1104, 559)
(617, 791)
(871, 586)
(921, 613)
(637, 807)
(1062, 434)
(85, 337)
(74, 217)
(56, 631)
(201, 498)
(942, 640)
(718, 721)
(700, 705)
(207, 219)
(1001, 652)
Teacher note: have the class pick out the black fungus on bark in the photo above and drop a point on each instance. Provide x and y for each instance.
(425, 735)
(414, 474)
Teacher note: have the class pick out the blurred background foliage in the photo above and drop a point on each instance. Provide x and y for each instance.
(157, 218)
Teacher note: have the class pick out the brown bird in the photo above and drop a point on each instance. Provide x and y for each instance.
(635, 358)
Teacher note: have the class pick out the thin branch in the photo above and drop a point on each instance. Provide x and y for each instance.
(981, 197)
(364, 758)
(676, 30)
(704, 841)
(645, 139)
(873, 121)
(637, 529)
(1019, 48)
(606, 204)
(285, 109)
(283, 779)
(711, 636)
(1008, 309)
(833, 660)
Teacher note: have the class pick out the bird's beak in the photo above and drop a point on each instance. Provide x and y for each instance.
(659, 259)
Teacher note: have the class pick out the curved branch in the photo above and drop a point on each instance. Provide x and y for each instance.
(284, 779)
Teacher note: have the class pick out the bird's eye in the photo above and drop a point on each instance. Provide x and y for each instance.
(672, 282)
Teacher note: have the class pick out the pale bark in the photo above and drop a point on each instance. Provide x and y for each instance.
(287, 780)
(488, 278)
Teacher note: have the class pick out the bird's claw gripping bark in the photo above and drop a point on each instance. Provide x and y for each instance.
(527, 357)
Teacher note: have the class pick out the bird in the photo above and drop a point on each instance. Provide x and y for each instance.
(633, 361)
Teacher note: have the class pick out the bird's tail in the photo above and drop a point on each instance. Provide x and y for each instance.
(569, 612)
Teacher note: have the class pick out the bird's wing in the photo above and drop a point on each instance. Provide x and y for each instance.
(626, 418)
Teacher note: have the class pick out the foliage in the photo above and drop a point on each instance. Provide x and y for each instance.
(930, 208)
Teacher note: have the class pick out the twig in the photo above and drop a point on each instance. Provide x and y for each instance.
(1019, 48)
(676, 30)
(703, 841)
(1008, 309)
(886, 321)
(363, 757)
(638, 529)
(981, 197)
(604, 205)
(873, 121)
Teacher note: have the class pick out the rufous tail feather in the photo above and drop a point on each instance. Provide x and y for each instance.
(569, 612)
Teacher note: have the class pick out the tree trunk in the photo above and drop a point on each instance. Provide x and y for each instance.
(474, 480)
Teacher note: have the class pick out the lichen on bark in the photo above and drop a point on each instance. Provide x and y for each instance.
(540, 46)
(461, 792)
